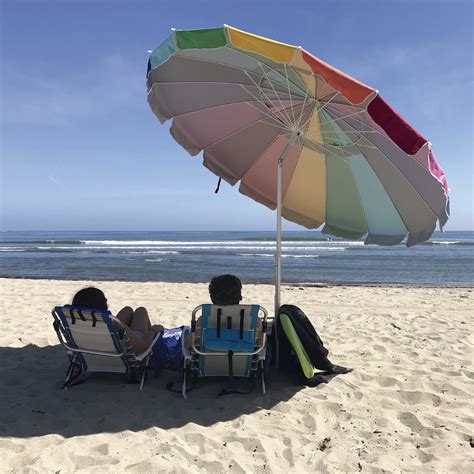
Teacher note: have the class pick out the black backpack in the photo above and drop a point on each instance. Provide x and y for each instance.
(309, 338)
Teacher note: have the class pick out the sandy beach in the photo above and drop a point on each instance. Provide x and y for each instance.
(406, 407)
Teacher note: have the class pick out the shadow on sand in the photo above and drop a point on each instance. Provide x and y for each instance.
(33, 403)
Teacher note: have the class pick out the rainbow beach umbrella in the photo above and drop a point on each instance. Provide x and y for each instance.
(299, 135)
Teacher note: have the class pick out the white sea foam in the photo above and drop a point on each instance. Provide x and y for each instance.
(309, 249)
(256, 255)
(172, 243)
(300, 256)
(193, 247)
(160, 252)
(213, 243)
(272, 255)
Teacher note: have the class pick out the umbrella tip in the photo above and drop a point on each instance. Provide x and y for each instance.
(149, 51)
(173, 29)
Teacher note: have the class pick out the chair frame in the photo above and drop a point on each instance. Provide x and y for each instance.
(259, 351)
(133, 363)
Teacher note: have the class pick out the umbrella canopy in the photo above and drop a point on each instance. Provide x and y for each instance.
(299, 135)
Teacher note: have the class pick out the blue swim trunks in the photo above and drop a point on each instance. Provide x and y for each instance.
(167, 352)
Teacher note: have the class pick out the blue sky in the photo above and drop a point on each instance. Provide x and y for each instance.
(82, 150)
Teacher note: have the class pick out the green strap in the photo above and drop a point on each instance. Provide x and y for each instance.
(305, 361)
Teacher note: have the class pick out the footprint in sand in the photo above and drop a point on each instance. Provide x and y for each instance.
(384, 381)
(411, 421)
(199, 441)
(85, 462)
(10, 446)
(142, 466)
(423, 456)
(250, 445)
(102, 449)
(310, 422)
(288, 451)
(417, 397)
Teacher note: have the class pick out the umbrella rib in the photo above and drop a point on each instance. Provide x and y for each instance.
(216, 82)
(223, 105)
(359, 132)
(283, 118)
(306, 122)
(338, 147)
(271, 117)
(335, 94)
(245, 87)
(344, 104)
(302, 110)
(277, 112)
(317, 111)
(323, 146)
(238, 67)
(289, 93)
(341, 118)
(243, 53)
(239, 130)
(366, 125)
(278, 97)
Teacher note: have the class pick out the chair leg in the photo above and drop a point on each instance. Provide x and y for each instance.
(183, 387)
(74, 375)
(186, 373)
(262, 375)
(69, 372)
(144, 369)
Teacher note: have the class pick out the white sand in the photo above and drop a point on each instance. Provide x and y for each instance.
(406, 407)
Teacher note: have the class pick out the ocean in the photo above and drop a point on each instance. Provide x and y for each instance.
(308, 257)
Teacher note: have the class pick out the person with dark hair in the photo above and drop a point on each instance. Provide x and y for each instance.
(136, 322)
(90, 298)
(225, 290)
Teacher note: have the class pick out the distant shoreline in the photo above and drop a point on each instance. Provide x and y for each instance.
(370, 284)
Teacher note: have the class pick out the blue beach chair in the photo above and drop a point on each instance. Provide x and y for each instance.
(226, 341)
(96, 341)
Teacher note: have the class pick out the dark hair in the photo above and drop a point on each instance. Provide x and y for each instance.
(90, 298)
(225, 290)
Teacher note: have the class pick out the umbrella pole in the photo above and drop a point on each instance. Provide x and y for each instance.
(285, 151)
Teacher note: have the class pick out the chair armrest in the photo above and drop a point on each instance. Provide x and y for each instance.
(185, 350)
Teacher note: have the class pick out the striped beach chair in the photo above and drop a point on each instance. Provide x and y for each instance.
(226, 341)
(96, 341)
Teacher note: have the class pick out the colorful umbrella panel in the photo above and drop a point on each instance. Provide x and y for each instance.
(350, 161)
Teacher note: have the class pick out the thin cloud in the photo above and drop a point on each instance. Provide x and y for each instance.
(112, 84)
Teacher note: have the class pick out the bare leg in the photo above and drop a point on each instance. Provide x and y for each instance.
(140, 321)
(125, 315)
